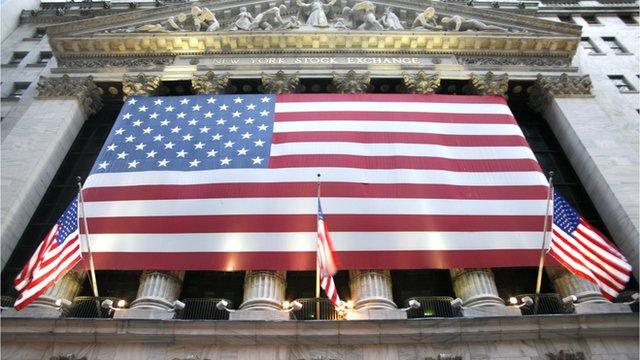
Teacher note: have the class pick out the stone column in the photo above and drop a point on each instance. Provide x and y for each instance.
(156, 293)
(263, 296)
(371, 291)
(66, 288)
(603, 156)
(590, 299)
(34, 148)
(479, 294)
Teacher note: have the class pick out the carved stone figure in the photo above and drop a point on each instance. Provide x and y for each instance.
(243, 20)
(280, 83)
(209, 83)
(140, 85)
(363, 16)
(174, 23)
(292, 23)
(422, 82)
(390, 20)
(490, 84)
(317, 16)
(458, 23)
(427, 20)
(270, 19)
(203, 18)
(352, 82)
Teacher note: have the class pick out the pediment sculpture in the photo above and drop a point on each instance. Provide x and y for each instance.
(315, 15)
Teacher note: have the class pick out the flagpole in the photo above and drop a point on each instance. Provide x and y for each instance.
(318, 267)
(94, 285)
(544, 242)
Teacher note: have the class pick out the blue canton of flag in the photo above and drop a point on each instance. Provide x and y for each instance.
(68, 222)
(564, 215)
(190, 133)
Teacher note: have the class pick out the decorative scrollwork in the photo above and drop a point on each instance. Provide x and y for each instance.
(140, 85)
(422, 82)
(445, 357)
(352, 82)
(564, 85)
(83, 88)
(490, 84)
(280, 83)
(566, 355)
(67, 357)
(508, 60)
(209, 83)
(127, 62)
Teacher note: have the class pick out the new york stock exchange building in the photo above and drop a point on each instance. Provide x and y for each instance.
(205, 136)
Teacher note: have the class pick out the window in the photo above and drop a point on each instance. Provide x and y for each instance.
(19, 89)
(40, 33)
(44, 57)
(628, 19)
(615, 45)
(17, 57)
(566, 19)
(589, 47)
(621, 83)
(590, 19)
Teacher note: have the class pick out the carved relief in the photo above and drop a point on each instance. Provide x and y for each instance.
(83, 88)
(390, 20)
(316, 12)
(566, 355)
(510, 60)
(351, 82)
(209, 83)
(564, 85)
(280, 83)
(200, 19)
(422, 82)
(445, 357)
(127, 62)
(362, 16)
(140, 85)
(67, 357)
(490, 84)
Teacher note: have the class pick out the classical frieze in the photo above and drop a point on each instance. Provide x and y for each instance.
(209, 83)
(490, 84)
(352, 82)
(140, 85)
(422, 82)
(514, 60)
(121, 62)
(280, 83)
(82, 88)
(566, 355)
(67, 357)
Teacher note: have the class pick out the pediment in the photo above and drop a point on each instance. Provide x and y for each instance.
(227, 27)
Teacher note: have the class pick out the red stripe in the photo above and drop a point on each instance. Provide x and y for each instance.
(302, 223)
(403, 162)
(306, 189)
(303, 261)
(39, 293)
(456, 99)
(59, 260)
(599, 256)
(608, 247)
(400, 138)
(559, 258)
(398, 116)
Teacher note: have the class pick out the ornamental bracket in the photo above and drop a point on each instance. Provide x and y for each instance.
(352, 82)
(490, 84)
(140, 85)
(422, 82)
(209, 83)
(84, 89)
(280, 83)
(563, 86)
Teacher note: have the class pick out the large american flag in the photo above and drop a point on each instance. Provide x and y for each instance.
(228, 182)
(58, 253)
(585, 251)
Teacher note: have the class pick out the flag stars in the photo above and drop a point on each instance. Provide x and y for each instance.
(194, 163)
(264, 113)
(103, 165)
(147, 130)
(163, 163)
(137, 123)
(132, 101)
(133, 164)
(225, 161)
(251, 107)
(263, 127)
(211, 100)
(126, 116)
(208, 115)
(193, 122)
(129, 138)
(122, 155)
(141, 146)
(184, 101)
(157, 102)
(246, 135)
(199, 145)
(169, 108)
(259, 143)
(237, 100)
(119, 131)
(236, 114)
(216, 137)
(151, 154)
(112, 147)
(223, 107)
(257, 160)
(175, 130)
(233, 129)
(265, 99)
(248, 121)
(221, 121)
(181, 153)
(169, 145)
(242, 151)
(181, 115)
(196, 107)
(164, 122)
(229, 144)
(153, 116)
(187, 137)
(211, 153)
(158, 137)
(204, 130)
(142, 108)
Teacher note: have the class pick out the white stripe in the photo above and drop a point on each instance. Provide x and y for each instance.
(394, 149)
(595, 237)
(392, 106)
(397, 126)
(54, 250)
(395, 176)
(579, 267)
(582, 241)
(42, 270)
(306, 241)
(297, 205)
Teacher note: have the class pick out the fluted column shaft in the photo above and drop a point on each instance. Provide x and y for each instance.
(567, 284)
(158, 289)
(66, 288)
(476, 287)
(264, 290)
(371, 289)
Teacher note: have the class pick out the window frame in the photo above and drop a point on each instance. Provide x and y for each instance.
(615, 45)
(630, 89)
(595, 48)
(591, 19)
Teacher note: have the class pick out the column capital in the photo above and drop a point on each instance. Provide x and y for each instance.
(352, 82)
(209, 83)
(421, 82)
(82, 88)
(490, 84)
(280, 83)
(563, 85)
(140, 85)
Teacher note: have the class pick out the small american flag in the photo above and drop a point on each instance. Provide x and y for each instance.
(58, 253)
(227, 182)
(584, 251)
(326, 260)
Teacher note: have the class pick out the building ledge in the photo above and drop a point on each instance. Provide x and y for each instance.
(319, 332)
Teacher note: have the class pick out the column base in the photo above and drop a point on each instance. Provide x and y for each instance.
(258, 314)
(491, 311)
(32, 312)
(601, 308)
(144, 313)
(376, 314)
